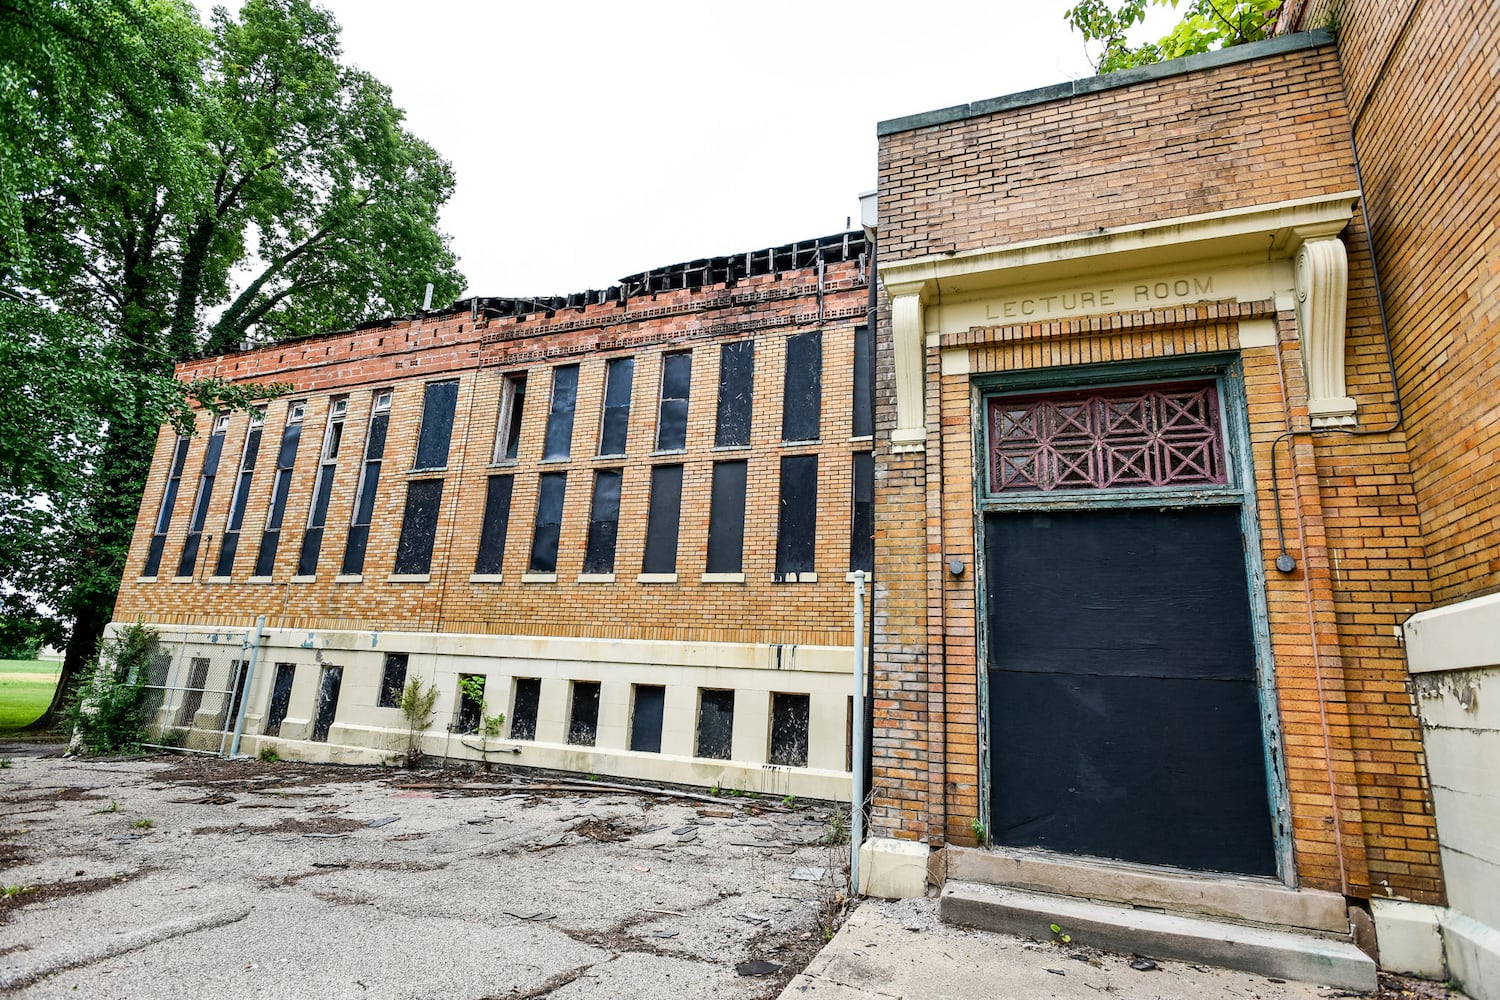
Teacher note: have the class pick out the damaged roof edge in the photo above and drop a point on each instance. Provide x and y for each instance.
(1110, 81)
(691, 274)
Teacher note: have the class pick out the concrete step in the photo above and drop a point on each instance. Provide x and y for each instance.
(1237, 898)
(1110, 927)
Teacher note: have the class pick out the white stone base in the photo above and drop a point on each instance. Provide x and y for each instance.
(1410, 937)
(893, 869)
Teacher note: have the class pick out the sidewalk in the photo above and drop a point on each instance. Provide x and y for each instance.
(899, 949)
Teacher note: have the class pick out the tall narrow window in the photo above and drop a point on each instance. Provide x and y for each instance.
(802, 402)
(726, 519)
(189, 561)
(797, 522)
(281, 698)
(524, 708)
(392, 680)
(615, 425)
(328, 463)
(862, 514)
(549, 506)
(863, 424)
(559, 441)
(496, 523)
(661, 522)
(604, 522)
(369, 484)
(437, 425)
(192, 696)
(790, 718)
(508, 426)
(715, 723)
(646, 718)
(671, 419)
(168, 501)
(286, 457)
(583, 720)
(736, 380)
(424, 498)
(231, 543)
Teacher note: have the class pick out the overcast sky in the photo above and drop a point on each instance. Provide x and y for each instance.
(596, 140)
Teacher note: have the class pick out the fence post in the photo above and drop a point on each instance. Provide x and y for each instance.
(239, 723)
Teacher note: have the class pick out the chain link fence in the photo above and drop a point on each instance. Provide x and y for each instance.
(194, 691)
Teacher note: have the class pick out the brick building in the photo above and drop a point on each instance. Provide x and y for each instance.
(631, 513)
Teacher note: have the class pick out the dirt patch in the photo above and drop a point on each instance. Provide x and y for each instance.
(1394, 987)
(48, 891)
(323, 824)
(11, 852)
(246, 776)
(605, 831)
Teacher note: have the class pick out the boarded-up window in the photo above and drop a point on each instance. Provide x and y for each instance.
(369, 483)
(524, 708)
(317, 517)
(715, 723)
(286, 457)
(789, 724)
(604, 522)
(328, 702)
(168, 501)
(281, 698)
(661, 522)
(549, 507)
(437, 425)
(508, 428)
(192, 698)
(736, 380)
(802, 401)
(583, 719)
(469, 715)
(726, 518)
(231, 543)
(559, 442)
(189, 561)
(496, 523)
(646, 718)
(392, 680)
(864, 399)
(797, 521)
(614, 427)
(424, 498)
(862, 514)
(676, 382)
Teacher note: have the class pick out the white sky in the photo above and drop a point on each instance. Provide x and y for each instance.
(593, 140)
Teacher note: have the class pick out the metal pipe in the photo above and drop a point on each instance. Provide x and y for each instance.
(857, 798)
(239, 722)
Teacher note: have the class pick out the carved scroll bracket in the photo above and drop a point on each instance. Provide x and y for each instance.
(907, 333)
(1322, 289)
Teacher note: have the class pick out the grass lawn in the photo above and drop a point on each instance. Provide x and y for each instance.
(26, 688)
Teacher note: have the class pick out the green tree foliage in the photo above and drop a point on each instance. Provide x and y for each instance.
(167, 188)
(108, 708)
(1205, 25)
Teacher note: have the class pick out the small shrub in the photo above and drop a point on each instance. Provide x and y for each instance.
(836, 833)
(268, 755)
(107, 712)
(418, 700)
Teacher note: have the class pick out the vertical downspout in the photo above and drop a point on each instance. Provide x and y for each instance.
(861, 738)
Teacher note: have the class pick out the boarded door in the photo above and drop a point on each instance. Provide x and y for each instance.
(1124, 718)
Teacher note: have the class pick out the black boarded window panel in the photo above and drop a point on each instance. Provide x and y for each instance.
(286, 457)
(470, 711)
(661, 522)
(559, 441)
(437, 425)
(736, 380)
(392, 680)
(549, 507)
(615, 426)
(862, 514)
(523, 709)
(281, 698)
(369, 484)
(604, 522)
(726, 519)
(789, 722)
(863, 424)
(424, 498)
(231, 543)
(676, 382)
(168, 501)
(583, 718)
(189, 561)
(496, 523)
(328, 702)
(646, 718)
(797, 521)
(802, 401)
(715, 723)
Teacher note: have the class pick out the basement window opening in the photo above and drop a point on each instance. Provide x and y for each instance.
(646, 718)
(790, 715)
(468, 714)
(528, 697)
(715, 723)
(583, 718)
(281, 698)
(392, 680)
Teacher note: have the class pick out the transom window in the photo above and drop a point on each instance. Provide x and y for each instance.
(1143, 437)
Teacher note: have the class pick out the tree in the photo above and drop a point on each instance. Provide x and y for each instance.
(1206, 25)
(167, 189)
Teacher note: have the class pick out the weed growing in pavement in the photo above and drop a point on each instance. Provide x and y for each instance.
(268, 755)
(144, 824)
(5, 763)
(113, 807)
(977, 826)
(836, 833)
(790, 801)
(12, 891)
(417, 703)
(1061, 935)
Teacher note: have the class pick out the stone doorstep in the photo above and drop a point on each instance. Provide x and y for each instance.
(1239, 899)
(1258, 950)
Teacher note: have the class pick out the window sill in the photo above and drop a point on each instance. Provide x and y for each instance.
(610, 458)
(182, 579)
(663, 453)
(145, 579)
(486, 578)
(504, 463)
(799, 578)
(260, 579)
(349, 578)
(538, 577)
(723, 578)
(596, 578)
(730, 447)
(862, 439)
(305, 579)
(656, 578)
(556, 461)
(218, 579)
(409, 578)
(810, 442)
(427, 472)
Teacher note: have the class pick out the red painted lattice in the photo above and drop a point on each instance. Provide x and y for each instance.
(1139, 437)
